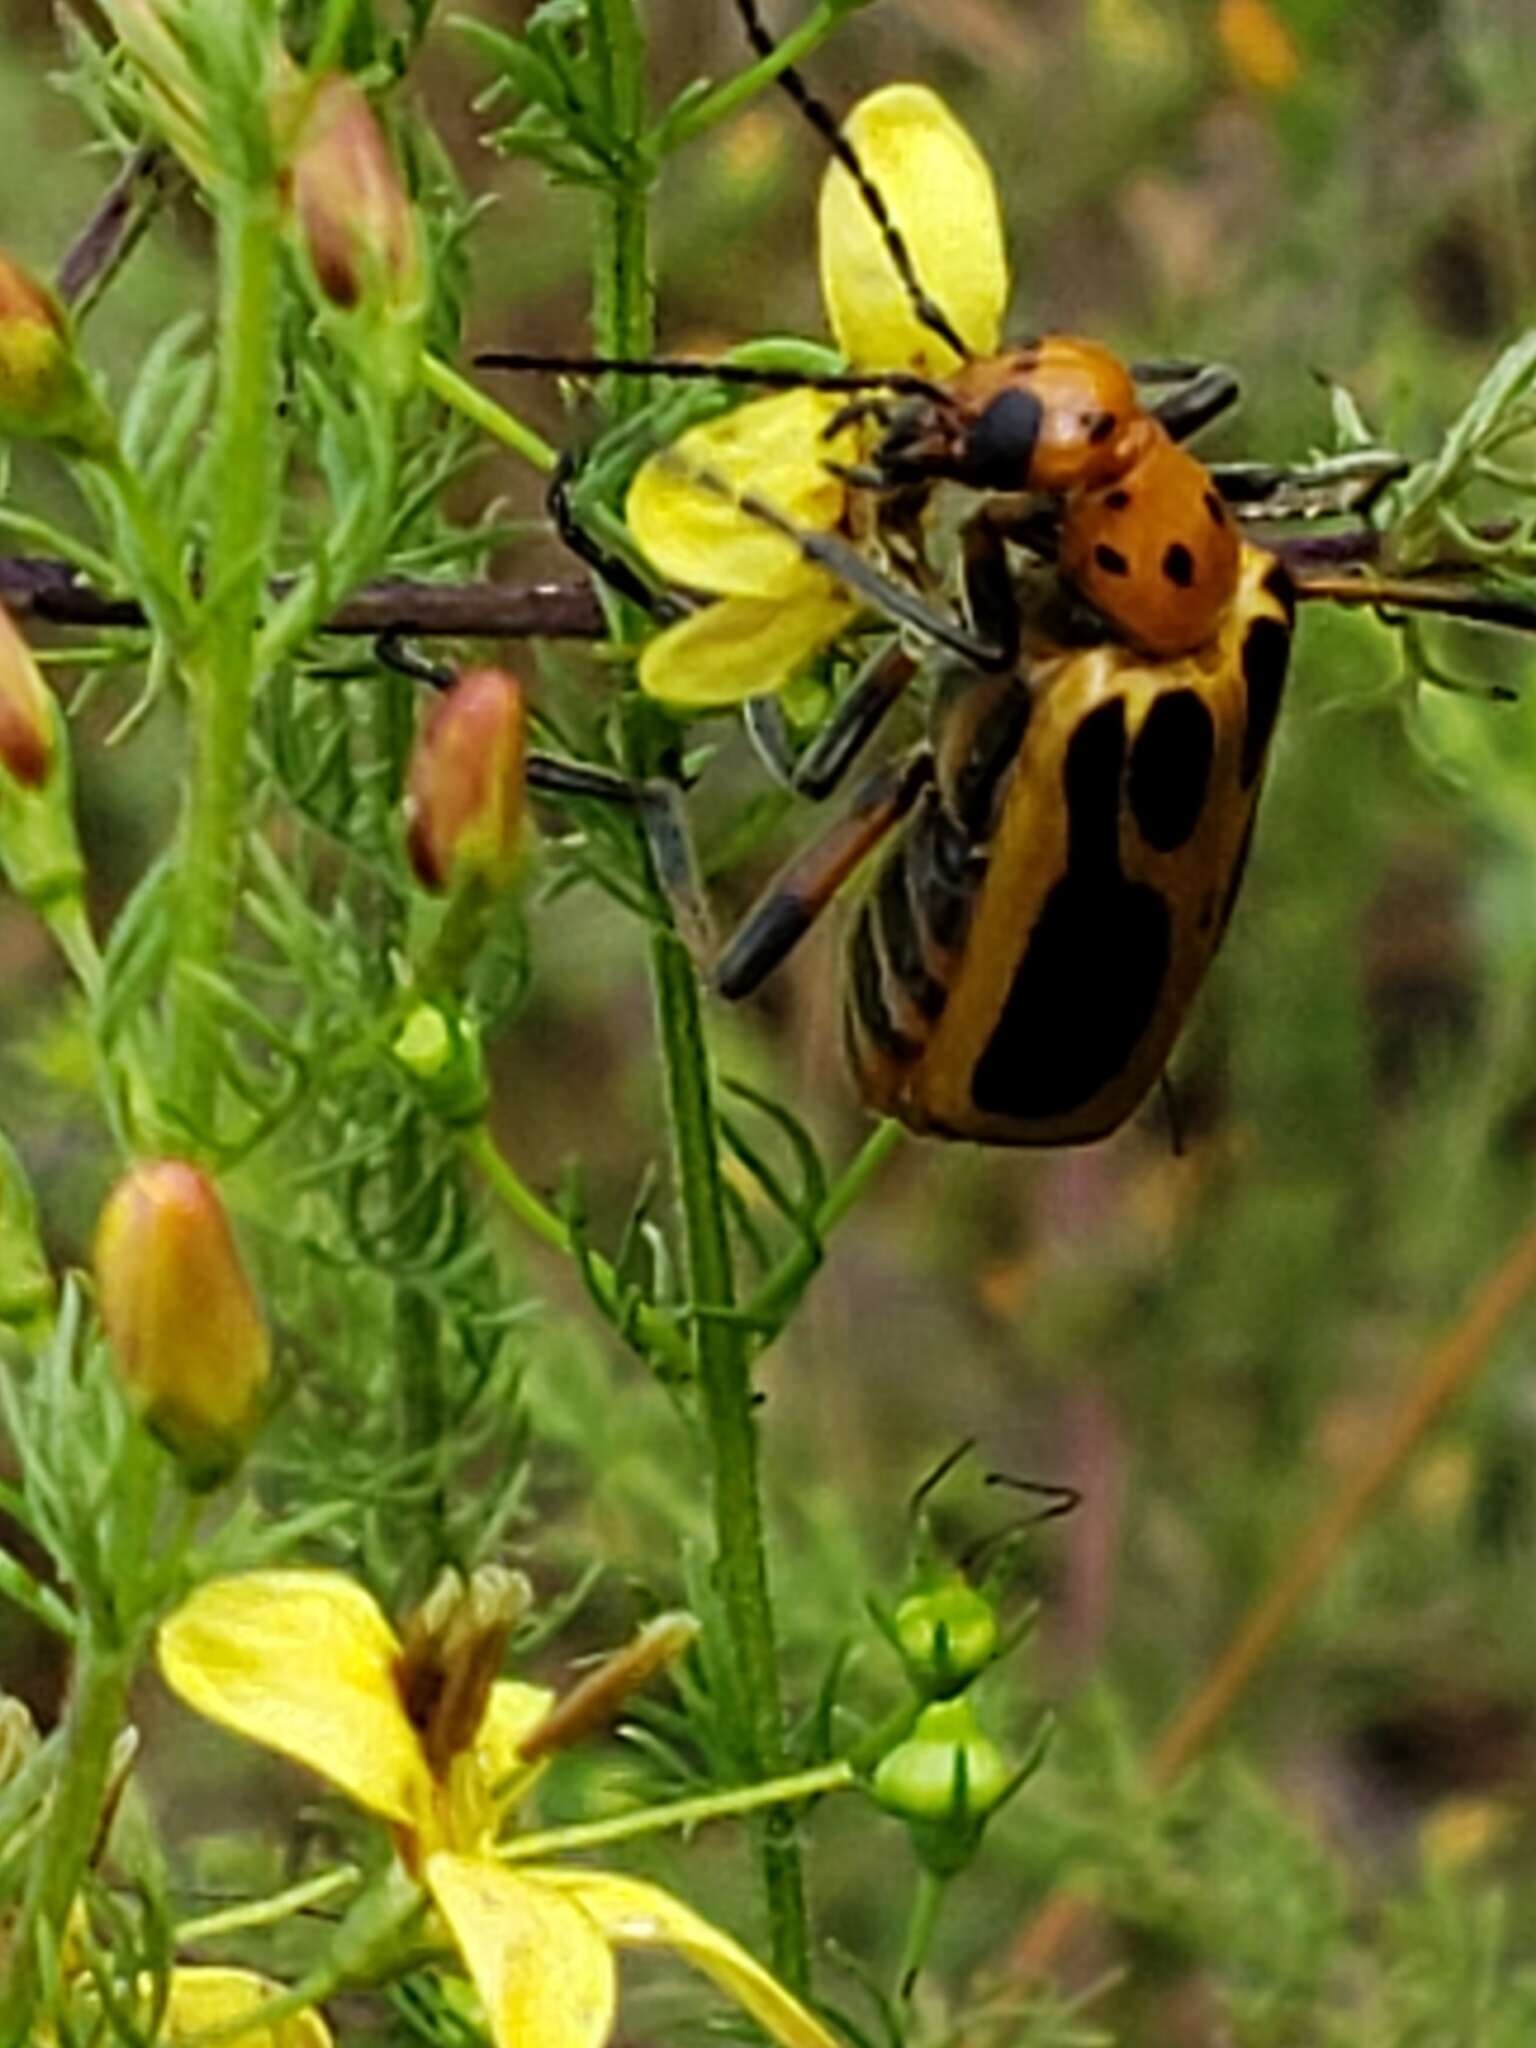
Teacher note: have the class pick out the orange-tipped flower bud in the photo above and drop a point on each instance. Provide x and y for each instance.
(44, 394)
(465, 789)
(26, 710)
(356, 220)
(185, 1329)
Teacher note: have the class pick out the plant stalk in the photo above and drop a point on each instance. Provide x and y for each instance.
(723, 1368)
(97, 1710)
(221, 668)
(624, 326)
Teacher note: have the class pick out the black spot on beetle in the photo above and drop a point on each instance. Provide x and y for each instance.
(1081, 1000)
(1171, 769)
(1090, 781)
(1216, 509)
(1178, 564)
(1117, 499)
(1279, 586)
(1110, 560)
(1266, 650)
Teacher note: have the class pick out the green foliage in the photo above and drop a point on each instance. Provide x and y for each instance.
(425, 1115)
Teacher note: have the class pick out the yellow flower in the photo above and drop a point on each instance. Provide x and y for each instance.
(422, 1733)
(202, 1997)
(776, 611)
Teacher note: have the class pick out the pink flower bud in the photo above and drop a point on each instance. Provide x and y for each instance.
(356, 221)
(186, 1333)
(26, 710)
(465, 789)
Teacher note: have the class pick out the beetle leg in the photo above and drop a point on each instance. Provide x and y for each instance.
(876, 689)
(991, 596)
(606, 564)
(801, 891)
(658, 808)
(1195, 401)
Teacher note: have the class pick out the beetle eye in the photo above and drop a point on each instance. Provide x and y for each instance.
(1000, 448)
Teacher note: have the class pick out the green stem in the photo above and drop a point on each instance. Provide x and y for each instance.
(722, 1365)
(221, 671)
(680, 1813)
(97, 1707)
(471, 403)
(299, 1898)
(782, 1289)
(654, 1331)
(624, 325)
(724, 101)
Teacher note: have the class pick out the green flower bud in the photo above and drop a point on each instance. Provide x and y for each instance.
(465, 789)
(947, 1635)
(44, 392)
(186, 1333)
(26, 1284)
(944, 1781)
(442, 1054)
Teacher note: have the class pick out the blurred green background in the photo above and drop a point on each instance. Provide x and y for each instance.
(1204, 1344)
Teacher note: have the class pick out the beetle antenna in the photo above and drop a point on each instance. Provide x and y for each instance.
(699, 369)
(825, 122)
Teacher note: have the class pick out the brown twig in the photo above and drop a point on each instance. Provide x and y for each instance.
(566, 609)
(1446, 1372)
(112, 233)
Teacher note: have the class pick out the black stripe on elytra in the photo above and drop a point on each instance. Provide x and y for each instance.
(1266, 650)
(1090, 781)
(945, 873)
(1081, 1000)
(867, 994)
(1170, 771)
(900, 940)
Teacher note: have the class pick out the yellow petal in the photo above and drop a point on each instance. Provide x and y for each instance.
(201, 1998)
(743, 646)
(513, 1711)
(684, 505)
(543, 1971)
(941, 195)
(635, 1915)
(304, 1662)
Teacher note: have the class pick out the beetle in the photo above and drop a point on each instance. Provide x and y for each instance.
(1059, 860)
